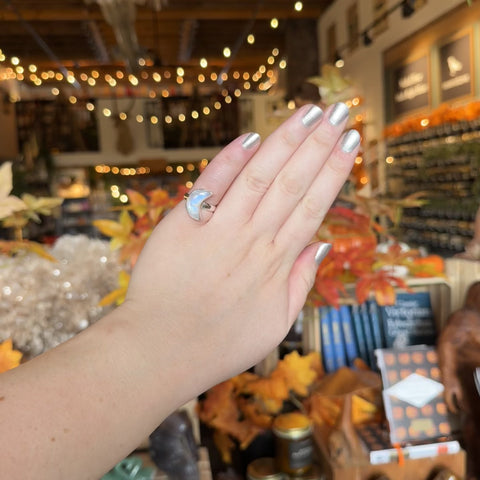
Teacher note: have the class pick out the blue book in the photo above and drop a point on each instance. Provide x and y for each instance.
(337, 339)
(348, 334)
(359, 333)
(375, 321)
(410, 321)
(367, 328)
(328, 355)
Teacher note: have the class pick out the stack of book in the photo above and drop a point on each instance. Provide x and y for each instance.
(356, 331)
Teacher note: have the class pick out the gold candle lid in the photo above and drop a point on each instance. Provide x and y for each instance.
(292, 425)
(264, 469)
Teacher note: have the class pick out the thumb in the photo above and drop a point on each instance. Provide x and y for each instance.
(302, 275)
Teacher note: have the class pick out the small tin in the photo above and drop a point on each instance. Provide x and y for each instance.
(264, 469)
(315, 473)
(293, 443)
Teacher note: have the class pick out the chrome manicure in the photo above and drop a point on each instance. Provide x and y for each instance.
(250, 140)
(338, 114)
(350, 141)
(322, 252)
(312, 116)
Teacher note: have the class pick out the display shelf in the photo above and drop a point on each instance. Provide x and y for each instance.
(444, 164)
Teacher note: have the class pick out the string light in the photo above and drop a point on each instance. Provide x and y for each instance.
(251, 39)
(227, 52)
(274, 22)
(298, 6)
(155, 76)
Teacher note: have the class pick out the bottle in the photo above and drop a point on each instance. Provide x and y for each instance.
(264, 468)
(293, 443)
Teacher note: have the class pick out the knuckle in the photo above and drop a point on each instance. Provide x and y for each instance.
(322, 141)
(256, 182)
(288, 138)
(289, 184)
(313, 207)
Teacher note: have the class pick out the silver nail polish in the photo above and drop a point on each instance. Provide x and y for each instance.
(350, 141)
(322, 252)
(338, 114)
(250, 140)
(312, 116)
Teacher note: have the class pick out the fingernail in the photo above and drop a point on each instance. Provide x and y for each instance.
(250, 140)
(312, 116)
(338, 114)
(350, 141)
(322, 252)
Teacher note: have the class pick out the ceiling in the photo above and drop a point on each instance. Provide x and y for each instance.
(75, 34)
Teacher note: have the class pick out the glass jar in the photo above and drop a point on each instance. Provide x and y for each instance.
(264, 469)
(316, 473)
(293, 443)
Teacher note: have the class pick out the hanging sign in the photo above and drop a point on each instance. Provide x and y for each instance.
(411, 88)
(456, 68)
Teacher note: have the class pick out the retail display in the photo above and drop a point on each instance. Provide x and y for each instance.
(442, 162)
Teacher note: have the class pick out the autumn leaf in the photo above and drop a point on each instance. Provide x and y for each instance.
(138, 203)
(9, 358)
(298, 371)
(382, 284)
(225, 445)
(118, 231)
(9, 204)
(10, 247)
(117, 296)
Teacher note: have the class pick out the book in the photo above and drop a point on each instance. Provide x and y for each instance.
(367, 329)
(348, 334)
(410, 321)
(413, 394)
(375, 322)
(337, 338)
(359, 334)
(328, 354)
(380, 450)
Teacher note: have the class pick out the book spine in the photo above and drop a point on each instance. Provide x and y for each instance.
(348, 334)
(429, 450)
(367, 328)
(328, 355)
(359, 333)
(337, 338)
(377, 333)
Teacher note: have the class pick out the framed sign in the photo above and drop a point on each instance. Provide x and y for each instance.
(456, 75)
(411, 86)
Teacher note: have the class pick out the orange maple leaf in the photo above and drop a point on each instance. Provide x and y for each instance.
(298, 371)
(382, 284)
(9, 358)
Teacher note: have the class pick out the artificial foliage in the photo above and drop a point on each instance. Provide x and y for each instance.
(9, 357)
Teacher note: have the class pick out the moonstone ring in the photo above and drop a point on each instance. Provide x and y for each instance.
(196, 204)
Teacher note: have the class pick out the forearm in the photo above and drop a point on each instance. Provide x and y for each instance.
(81, 406)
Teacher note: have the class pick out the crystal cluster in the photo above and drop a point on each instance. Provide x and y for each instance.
(44, 303)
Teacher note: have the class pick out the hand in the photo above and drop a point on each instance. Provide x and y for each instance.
(227, 290)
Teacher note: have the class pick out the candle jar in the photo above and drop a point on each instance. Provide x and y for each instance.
(264, 469)
(293, 443)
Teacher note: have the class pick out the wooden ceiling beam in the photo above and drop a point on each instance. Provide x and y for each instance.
(237, 13)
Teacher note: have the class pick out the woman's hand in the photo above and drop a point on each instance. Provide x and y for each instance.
(227, 289)
(206, 300)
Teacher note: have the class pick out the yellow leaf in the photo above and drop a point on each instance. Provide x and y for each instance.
(363, 411)
(299, 372)
(5, 179)
(9, 358)
(110, 228)
(116, 296)
(138, 203)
